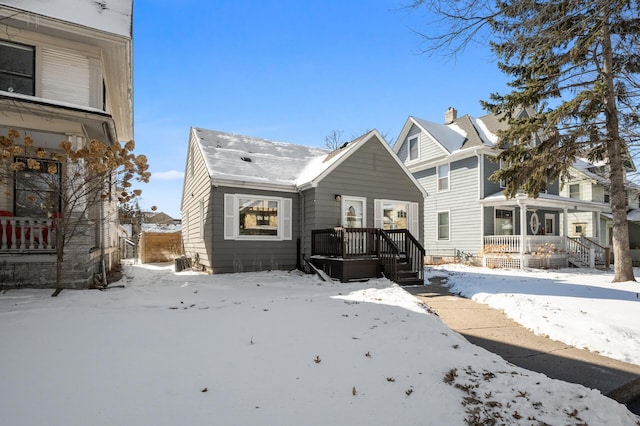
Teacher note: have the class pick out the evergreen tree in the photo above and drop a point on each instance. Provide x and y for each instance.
(577, 64)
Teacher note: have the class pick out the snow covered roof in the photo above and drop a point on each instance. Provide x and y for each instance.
(597, 173)
(112, 16)
(464, 132)
(233, 157)
(551, 201)
(160, 228)
(239, 160)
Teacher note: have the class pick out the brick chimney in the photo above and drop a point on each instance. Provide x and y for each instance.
(450, 116)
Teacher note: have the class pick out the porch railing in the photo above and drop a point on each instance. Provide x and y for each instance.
(25, 234)
(502, 244)
(583, 250)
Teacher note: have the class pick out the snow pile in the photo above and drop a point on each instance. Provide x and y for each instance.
(261, 348)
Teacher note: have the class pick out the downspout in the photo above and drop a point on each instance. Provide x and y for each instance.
(481, 195)
(523, 230)
(110, 132)
(302, 235)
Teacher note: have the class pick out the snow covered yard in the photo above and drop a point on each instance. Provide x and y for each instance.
(580, 307)
(265, 348)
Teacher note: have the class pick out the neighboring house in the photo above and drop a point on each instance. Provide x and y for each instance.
(65, 74)
(159, 218)
(251, 204)
(589, 182)
(466, 215)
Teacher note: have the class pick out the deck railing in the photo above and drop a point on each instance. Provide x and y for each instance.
(25, 234)
(387, 245)
(344, 242)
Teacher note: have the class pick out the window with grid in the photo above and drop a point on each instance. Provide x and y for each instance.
(17, 66)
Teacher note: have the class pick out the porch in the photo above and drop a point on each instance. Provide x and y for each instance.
(543, 251)
(526, 233)
(24, 235)
(350, 254)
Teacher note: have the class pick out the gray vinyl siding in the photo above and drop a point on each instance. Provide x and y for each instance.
(490, 166)
(403, 152)
(462, 203)
(429, 149)
(554, 188)
(370, 172)
(251, 255)
(491, 188)
(197, 188)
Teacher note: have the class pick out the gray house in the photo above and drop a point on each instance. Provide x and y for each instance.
(252, 204)
(467, 216)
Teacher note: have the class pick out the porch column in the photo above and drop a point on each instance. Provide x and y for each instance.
(565, 222)
(596, 220)
(523, 232)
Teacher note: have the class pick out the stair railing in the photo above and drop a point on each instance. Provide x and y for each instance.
(410, 247)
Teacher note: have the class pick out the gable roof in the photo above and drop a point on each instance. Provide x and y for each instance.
(245, 161)
(590, 171)
(463, 133)
(237, 159)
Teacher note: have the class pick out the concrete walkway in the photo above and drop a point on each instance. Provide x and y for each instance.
(494, 331)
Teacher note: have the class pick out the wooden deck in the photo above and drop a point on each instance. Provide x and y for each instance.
(351, 254)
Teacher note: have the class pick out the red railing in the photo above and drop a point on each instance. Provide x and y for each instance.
(26, 234)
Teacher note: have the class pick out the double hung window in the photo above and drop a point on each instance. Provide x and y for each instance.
(443, 177)
(443, 225)
(414, 149)
(17, 65)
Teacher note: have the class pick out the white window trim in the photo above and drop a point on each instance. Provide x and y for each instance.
(438, 213)
(409, 139)
(579, 191)
(343, 216)
(495, 222)
(413, 214)
(448, 177)
(552, 217)
(232, 218)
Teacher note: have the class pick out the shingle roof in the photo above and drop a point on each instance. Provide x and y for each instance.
(464, 132)
(242, 158)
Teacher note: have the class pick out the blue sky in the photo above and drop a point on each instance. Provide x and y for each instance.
(290, 71)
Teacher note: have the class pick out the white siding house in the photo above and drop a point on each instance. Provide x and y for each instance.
(466, 215)
(65, 74)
